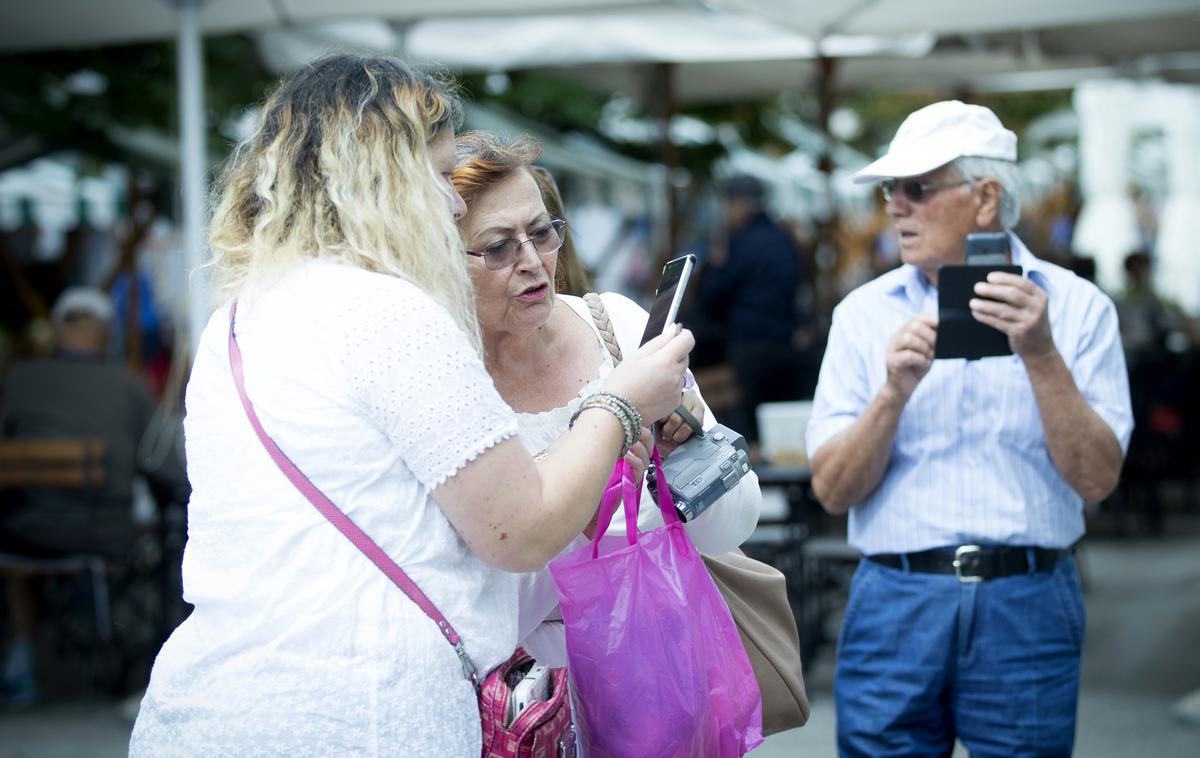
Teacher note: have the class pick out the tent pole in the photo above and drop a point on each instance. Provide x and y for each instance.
(824, 279)
(190, 67)
(664, 99)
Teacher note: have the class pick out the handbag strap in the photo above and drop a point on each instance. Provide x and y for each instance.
(338, 518)
(603, 325)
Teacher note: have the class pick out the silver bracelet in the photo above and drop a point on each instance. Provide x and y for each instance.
(628, 409)
(626, 406)
(630, 422)
(625, 411)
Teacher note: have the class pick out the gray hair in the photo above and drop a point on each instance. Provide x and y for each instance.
(1004, 172)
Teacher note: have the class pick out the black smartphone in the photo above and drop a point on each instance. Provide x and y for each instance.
(669, 295)
(959, 335)
(987, 249)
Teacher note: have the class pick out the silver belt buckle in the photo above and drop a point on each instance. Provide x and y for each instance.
(967, 557)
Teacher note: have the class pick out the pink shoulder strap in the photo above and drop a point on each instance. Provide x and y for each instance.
(339, 519)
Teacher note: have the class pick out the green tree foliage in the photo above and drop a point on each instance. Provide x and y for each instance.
(134, 86)
(565, 106)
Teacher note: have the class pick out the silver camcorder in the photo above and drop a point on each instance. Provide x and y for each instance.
(702, 469)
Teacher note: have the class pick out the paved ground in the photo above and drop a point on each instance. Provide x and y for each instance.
(1142, 654)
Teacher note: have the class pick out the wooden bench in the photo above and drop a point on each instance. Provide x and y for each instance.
(52, 463)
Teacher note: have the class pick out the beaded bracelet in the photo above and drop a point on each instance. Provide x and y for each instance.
(626, 424)
(631, 424)
(625, 405)
(625, 411)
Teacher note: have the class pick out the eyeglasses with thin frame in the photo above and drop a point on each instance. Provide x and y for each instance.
(546, 239)
(916, 191)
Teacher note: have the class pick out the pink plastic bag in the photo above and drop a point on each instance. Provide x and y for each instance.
(656, 664)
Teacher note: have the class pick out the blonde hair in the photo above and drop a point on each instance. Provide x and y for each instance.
(338, 168)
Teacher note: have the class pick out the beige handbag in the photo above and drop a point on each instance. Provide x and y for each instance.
(757, 598)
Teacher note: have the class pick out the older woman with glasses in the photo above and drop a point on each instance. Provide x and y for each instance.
(546, 353)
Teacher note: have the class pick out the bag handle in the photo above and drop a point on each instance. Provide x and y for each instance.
(621, 488)
(338, 518)
(666, 503)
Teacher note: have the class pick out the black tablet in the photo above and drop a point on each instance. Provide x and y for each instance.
(959, 335)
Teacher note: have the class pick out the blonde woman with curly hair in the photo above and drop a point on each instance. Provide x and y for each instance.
(345, 293)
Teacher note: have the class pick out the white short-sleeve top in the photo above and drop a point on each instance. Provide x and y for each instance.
(298, 645)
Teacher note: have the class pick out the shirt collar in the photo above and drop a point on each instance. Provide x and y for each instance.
(911, 283)
(1034, 267)
(914, 286)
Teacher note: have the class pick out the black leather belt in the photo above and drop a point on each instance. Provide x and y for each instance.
(972, 563)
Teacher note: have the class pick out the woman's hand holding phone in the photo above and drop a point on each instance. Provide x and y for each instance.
(652, 378)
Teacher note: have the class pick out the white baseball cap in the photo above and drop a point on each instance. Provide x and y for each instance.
(82, 301)
(937, 134)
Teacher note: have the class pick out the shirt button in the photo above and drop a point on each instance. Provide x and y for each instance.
(972, 460)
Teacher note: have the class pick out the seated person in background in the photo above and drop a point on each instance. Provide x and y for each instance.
(75, 393)
(546, 354)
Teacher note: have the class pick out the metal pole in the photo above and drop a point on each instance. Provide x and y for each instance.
(825, 278)
(663, 89)
(193, 180)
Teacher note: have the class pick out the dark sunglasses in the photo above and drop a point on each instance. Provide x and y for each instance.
(916, 191)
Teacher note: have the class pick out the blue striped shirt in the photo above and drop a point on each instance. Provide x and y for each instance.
(969, 463)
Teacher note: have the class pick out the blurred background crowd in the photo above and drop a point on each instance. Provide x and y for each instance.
(727, 129)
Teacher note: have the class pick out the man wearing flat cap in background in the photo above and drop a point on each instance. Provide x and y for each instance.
(748, 287)
(964, 479)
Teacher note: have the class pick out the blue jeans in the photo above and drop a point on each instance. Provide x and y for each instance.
(923, 659)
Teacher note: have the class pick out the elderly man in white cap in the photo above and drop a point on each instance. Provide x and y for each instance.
(964, 480)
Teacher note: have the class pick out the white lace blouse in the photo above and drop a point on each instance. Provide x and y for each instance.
(721, 528)
(298, 645)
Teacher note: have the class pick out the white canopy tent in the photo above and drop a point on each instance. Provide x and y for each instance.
(50, 24)
(754, 48)
(769, 46)
(944, 16)
(751, 48)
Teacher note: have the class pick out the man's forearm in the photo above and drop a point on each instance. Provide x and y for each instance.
(850, 466)
(1083, 447)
